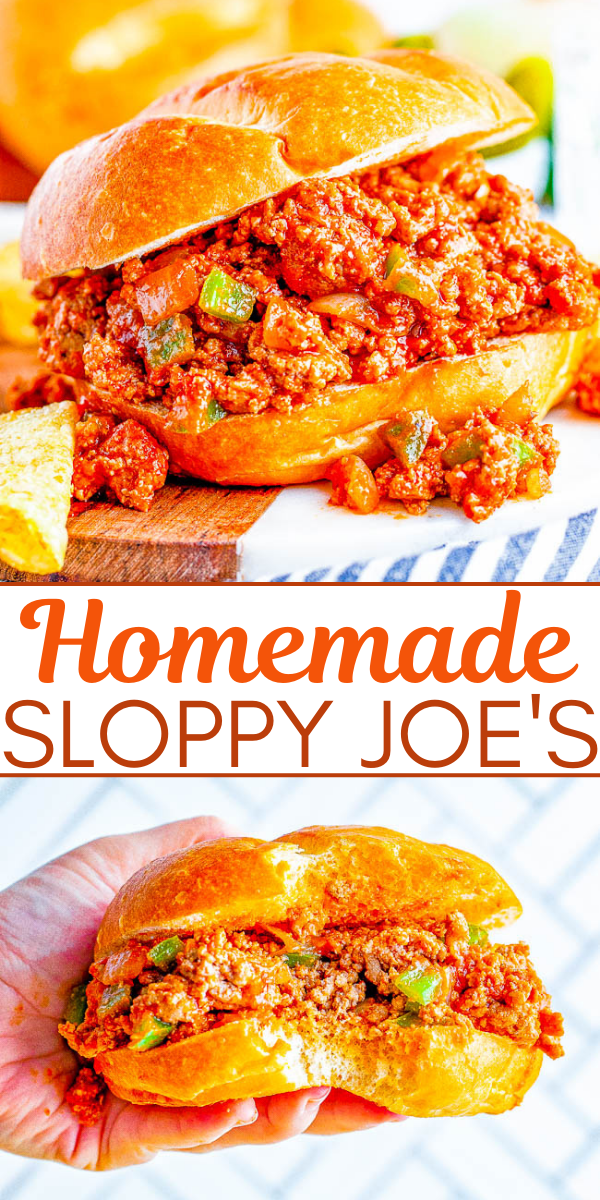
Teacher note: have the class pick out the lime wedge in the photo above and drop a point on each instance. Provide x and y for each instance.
(497, 36)
(532, 78)
(415, 41)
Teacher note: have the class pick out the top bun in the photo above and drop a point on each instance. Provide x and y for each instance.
(322, 875)
(210, 149)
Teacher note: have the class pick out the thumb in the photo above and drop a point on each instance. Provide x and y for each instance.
(135, 1134)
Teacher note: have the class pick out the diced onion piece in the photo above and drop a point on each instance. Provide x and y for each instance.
(290, 943)
(403, 277)
(276, 335)
(536, 483)
(168, 291)
(122, 965)
(348, 306)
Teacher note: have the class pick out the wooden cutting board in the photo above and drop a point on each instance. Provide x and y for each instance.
(190, 535)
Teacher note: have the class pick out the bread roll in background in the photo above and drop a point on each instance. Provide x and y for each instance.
(78, 69)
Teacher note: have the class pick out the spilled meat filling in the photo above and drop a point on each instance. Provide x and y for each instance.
(157, 992)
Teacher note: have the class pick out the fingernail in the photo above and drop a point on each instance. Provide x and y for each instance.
(317, 1095)
(247, 1113)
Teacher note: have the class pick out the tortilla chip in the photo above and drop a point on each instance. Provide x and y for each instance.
(36, 467)
(17, 305)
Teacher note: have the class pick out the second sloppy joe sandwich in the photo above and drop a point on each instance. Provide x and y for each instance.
(348, 956)
(302, 269)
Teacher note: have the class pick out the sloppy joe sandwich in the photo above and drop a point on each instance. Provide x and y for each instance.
(305, 263)
(355, 957)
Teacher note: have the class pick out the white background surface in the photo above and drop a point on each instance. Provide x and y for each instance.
(352, 728)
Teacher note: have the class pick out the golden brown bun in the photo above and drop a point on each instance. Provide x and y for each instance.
(96, 64)
(274, 448)
(342, 875)
(213, 148)
(443, 1071)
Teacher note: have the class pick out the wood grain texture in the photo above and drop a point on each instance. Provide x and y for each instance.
(190, 535)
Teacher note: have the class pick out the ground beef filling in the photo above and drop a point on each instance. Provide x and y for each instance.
(336, 281)
(360, 976)
(86, 1096)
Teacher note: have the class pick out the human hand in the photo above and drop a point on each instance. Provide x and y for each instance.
(48, 926)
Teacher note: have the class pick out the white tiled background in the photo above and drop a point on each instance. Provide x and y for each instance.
(543, 836)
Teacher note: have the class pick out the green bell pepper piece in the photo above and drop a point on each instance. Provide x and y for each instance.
(301, 958)
(462, 451)
(115, 1000)
(76, 1004)
(408, 1020)
(168, 342)
(163, 954)
(410, 1016)
(405, 284)
(522, 451)
(214, 412)
(472, 446)
(478, 936)
(419, 986)
(227, 298)
(149, 1032)
(203, 420)
(407, 436)
(415, 41)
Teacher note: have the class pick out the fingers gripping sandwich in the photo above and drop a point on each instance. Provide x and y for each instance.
(263, 268)
(355, 957)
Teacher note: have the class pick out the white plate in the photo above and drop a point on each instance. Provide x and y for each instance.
(301, 531)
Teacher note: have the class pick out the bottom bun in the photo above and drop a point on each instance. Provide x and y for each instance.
(439, 1071)
(299, 447)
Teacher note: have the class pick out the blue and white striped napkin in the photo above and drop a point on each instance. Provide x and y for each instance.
(567, 550)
